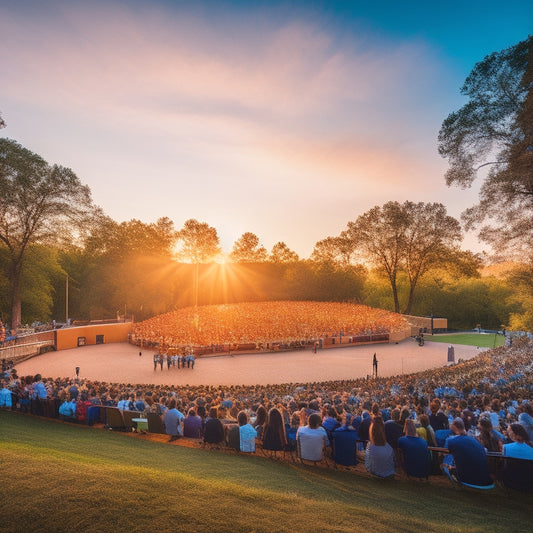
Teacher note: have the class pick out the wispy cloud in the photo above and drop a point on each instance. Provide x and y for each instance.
(176, 94)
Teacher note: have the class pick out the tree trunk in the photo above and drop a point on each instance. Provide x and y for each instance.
(16, 306)
(394, 294)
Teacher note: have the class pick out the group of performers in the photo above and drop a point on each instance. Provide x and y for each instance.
(181, 360)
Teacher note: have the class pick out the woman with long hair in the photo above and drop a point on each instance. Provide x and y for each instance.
(487, 435)
(379, 455)
(521, 447)
(274, 437)
(260, 421)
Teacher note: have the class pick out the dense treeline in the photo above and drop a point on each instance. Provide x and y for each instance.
(132, 270)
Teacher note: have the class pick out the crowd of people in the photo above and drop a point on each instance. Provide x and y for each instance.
(174, 358)
(487, 399)
(260, 323)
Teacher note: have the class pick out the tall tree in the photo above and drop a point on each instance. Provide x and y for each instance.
(248, 249)
(281, 253)
(336, 250)
(409, 237)
(40, 203)
(199, 242)
(494, 129)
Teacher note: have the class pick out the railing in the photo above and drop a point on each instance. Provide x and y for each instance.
(17, 352)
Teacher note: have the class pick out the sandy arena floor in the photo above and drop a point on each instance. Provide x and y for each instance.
(121, 363)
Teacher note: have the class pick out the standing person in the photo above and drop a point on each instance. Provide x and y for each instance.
(140, 353)
(451, 354)
(77, 372)
(160, 359)
(375, 366)
(155, 361)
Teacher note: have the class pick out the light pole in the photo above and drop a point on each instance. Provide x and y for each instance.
(66, 301)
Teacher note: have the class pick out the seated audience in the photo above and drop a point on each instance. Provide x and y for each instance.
(192, 425)
(521, 447)
(379, 455)
(247, 433)
(415, 453)
(469, 461)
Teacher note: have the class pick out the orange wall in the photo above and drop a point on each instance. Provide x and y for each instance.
(68, 338)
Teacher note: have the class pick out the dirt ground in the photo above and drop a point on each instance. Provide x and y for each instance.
(121, 363)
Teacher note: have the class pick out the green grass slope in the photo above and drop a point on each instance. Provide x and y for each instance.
(483, 340)
(59, 477)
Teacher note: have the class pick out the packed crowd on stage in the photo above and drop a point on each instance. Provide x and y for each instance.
(487, 401)
(264, 322)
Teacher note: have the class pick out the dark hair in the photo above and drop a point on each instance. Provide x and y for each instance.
(377, 432)
(521, 433)
(424, 420)
(261, 416)
(242, 418)
(314, 420)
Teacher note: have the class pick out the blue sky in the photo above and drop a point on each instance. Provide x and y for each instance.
(286, 119)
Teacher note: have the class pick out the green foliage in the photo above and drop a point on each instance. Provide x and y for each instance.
(495, 129)
(40, 204)
(405, 239)
(466, 302)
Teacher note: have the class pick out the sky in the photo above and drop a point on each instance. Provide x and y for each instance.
(285, 119)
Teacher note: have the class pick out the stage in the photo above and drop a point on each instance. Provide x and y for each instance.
(121, 363)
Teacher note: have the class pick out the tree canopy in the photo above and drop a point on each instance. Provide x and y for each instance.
(281, 253)
(494, 129)
(39, 204)
(409, 238)
(248, 249)
(199, 242)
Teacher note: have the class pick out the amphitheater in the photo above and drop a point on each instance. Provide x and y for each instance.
(341, 357)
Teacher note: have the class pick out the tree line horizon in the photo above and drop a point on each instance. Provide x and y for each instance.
(404, 257)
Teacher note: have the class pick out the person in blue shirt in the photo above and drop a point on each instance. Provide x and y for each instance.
(469, 459)
(415, 454)
(173, 421)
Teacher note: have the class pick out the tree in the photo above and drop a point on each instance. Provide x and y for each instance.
(199, 242)
(2, 122)
(333, 249)
(411, 238)
(281, 253)
(494, 129)
(39, 204)
(247, 249)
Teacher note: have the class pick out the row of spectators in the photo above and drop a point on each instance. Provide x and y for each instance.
(484, 398)
(265, 322)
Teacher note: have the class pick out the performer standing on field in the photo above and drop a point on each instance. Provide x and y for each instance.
(375, 366)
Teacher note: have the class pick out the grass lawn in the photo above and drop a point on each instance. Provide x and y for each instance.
(483, 340)
(60, 477)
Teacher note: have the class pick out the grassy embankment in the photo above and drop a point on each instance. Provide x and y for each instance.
(60, 477)
(483, 340)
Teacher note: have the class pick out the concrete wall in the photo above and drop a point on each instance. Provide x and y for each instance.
(69, 337)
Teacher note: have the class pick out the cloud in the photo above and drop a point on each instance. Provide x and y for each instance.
(286, 113)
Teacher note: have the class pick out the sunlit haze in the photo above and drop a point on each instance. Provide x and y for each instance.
(276, 118)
